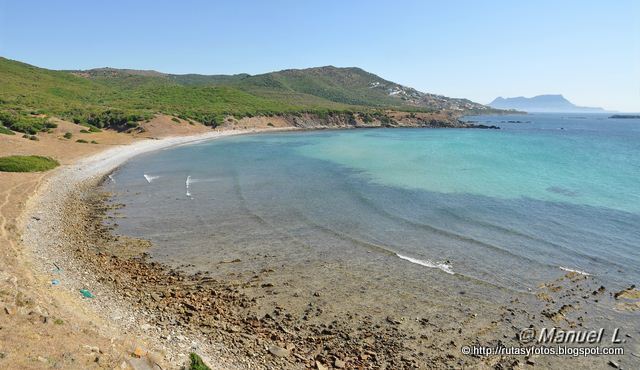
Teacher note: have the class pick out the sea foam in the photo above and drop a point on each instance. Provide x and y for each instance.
(438, 265)
(150, 178)
(573, 270)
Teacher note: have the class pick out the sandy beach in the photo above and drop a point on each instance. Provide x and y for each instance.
(40, 302)
(46, 326)
(145, 314)
(45, 222)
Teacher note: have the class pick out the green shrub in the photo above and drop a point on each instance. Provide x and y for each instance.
(8, 119)
(197, 363)
(22, 123)
(84, 131)
(6, 131)
(90, 128)
(94, 142)
(81, 141)
(28, 163)
(174, 119)
(114, 119)
(68, 135)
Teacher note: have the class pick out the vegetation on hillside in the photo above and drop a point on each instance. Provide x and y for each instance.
(119, 99)
(29, 163)
(6, 131)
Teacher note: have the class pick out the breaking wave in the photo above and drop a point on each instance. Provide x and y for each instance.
(446, 267)
(573, 270)
(150, 178)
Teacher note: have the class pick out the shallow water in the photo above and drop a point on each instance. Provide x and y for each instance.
(509, 208)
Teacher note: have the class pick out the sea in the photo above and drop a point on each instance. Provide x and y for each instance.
(508, 208)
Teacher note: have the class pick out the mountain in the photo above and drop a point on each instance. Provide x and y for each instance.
(541, 103)
(108, 97)
(351, 86)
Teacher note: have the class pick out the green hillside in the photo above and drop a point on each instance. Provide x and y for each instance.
(115, 98)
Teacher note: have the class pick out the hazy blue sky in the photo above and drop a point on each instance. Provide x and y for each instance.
(587, 50)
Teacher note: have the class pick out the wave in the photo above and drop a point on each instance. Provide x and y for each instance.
(441, 231)
(573, 270)
(187, 183)
(150, 178)
(194, 181)
(444, 266)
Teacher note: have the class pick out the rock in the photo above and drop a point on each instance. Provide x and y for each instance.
(614, 364)
(139, 352)
(278, 351)
(629, 293)
(530, 362)
(156, 297)
(393, 320)
(320, 366)
(92, 348)
(338, 363)
(140, 364)
(8, 311)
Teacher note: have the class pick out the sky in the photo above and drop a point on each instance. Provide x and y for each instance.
(589, 51)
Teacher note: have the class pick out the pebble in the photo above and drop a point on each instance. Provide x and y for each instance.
(139, 352)
(92, 348)
(278, 351)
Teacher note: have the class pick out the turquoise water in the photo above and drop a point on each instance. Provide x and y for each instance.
(509, 207)
(559, 167)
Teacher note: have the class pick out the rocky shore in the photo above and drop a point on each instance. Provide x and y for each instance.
(389, 119)
(231, 326)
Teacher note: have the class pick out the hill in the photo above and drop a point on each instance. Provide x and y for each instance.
(117, 98)
(541, 103)
(350, 86)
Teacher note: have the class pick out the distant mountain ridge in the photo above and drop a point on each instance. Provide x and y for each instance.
(541, 103)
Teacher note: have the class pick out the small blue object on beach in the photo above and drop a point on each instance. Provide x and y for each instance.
(55, 282)
(85, 293)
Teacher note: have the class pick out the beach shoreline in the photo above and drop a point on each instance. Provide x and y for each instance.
(43, 214)
(174, 314)
(56, 221)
